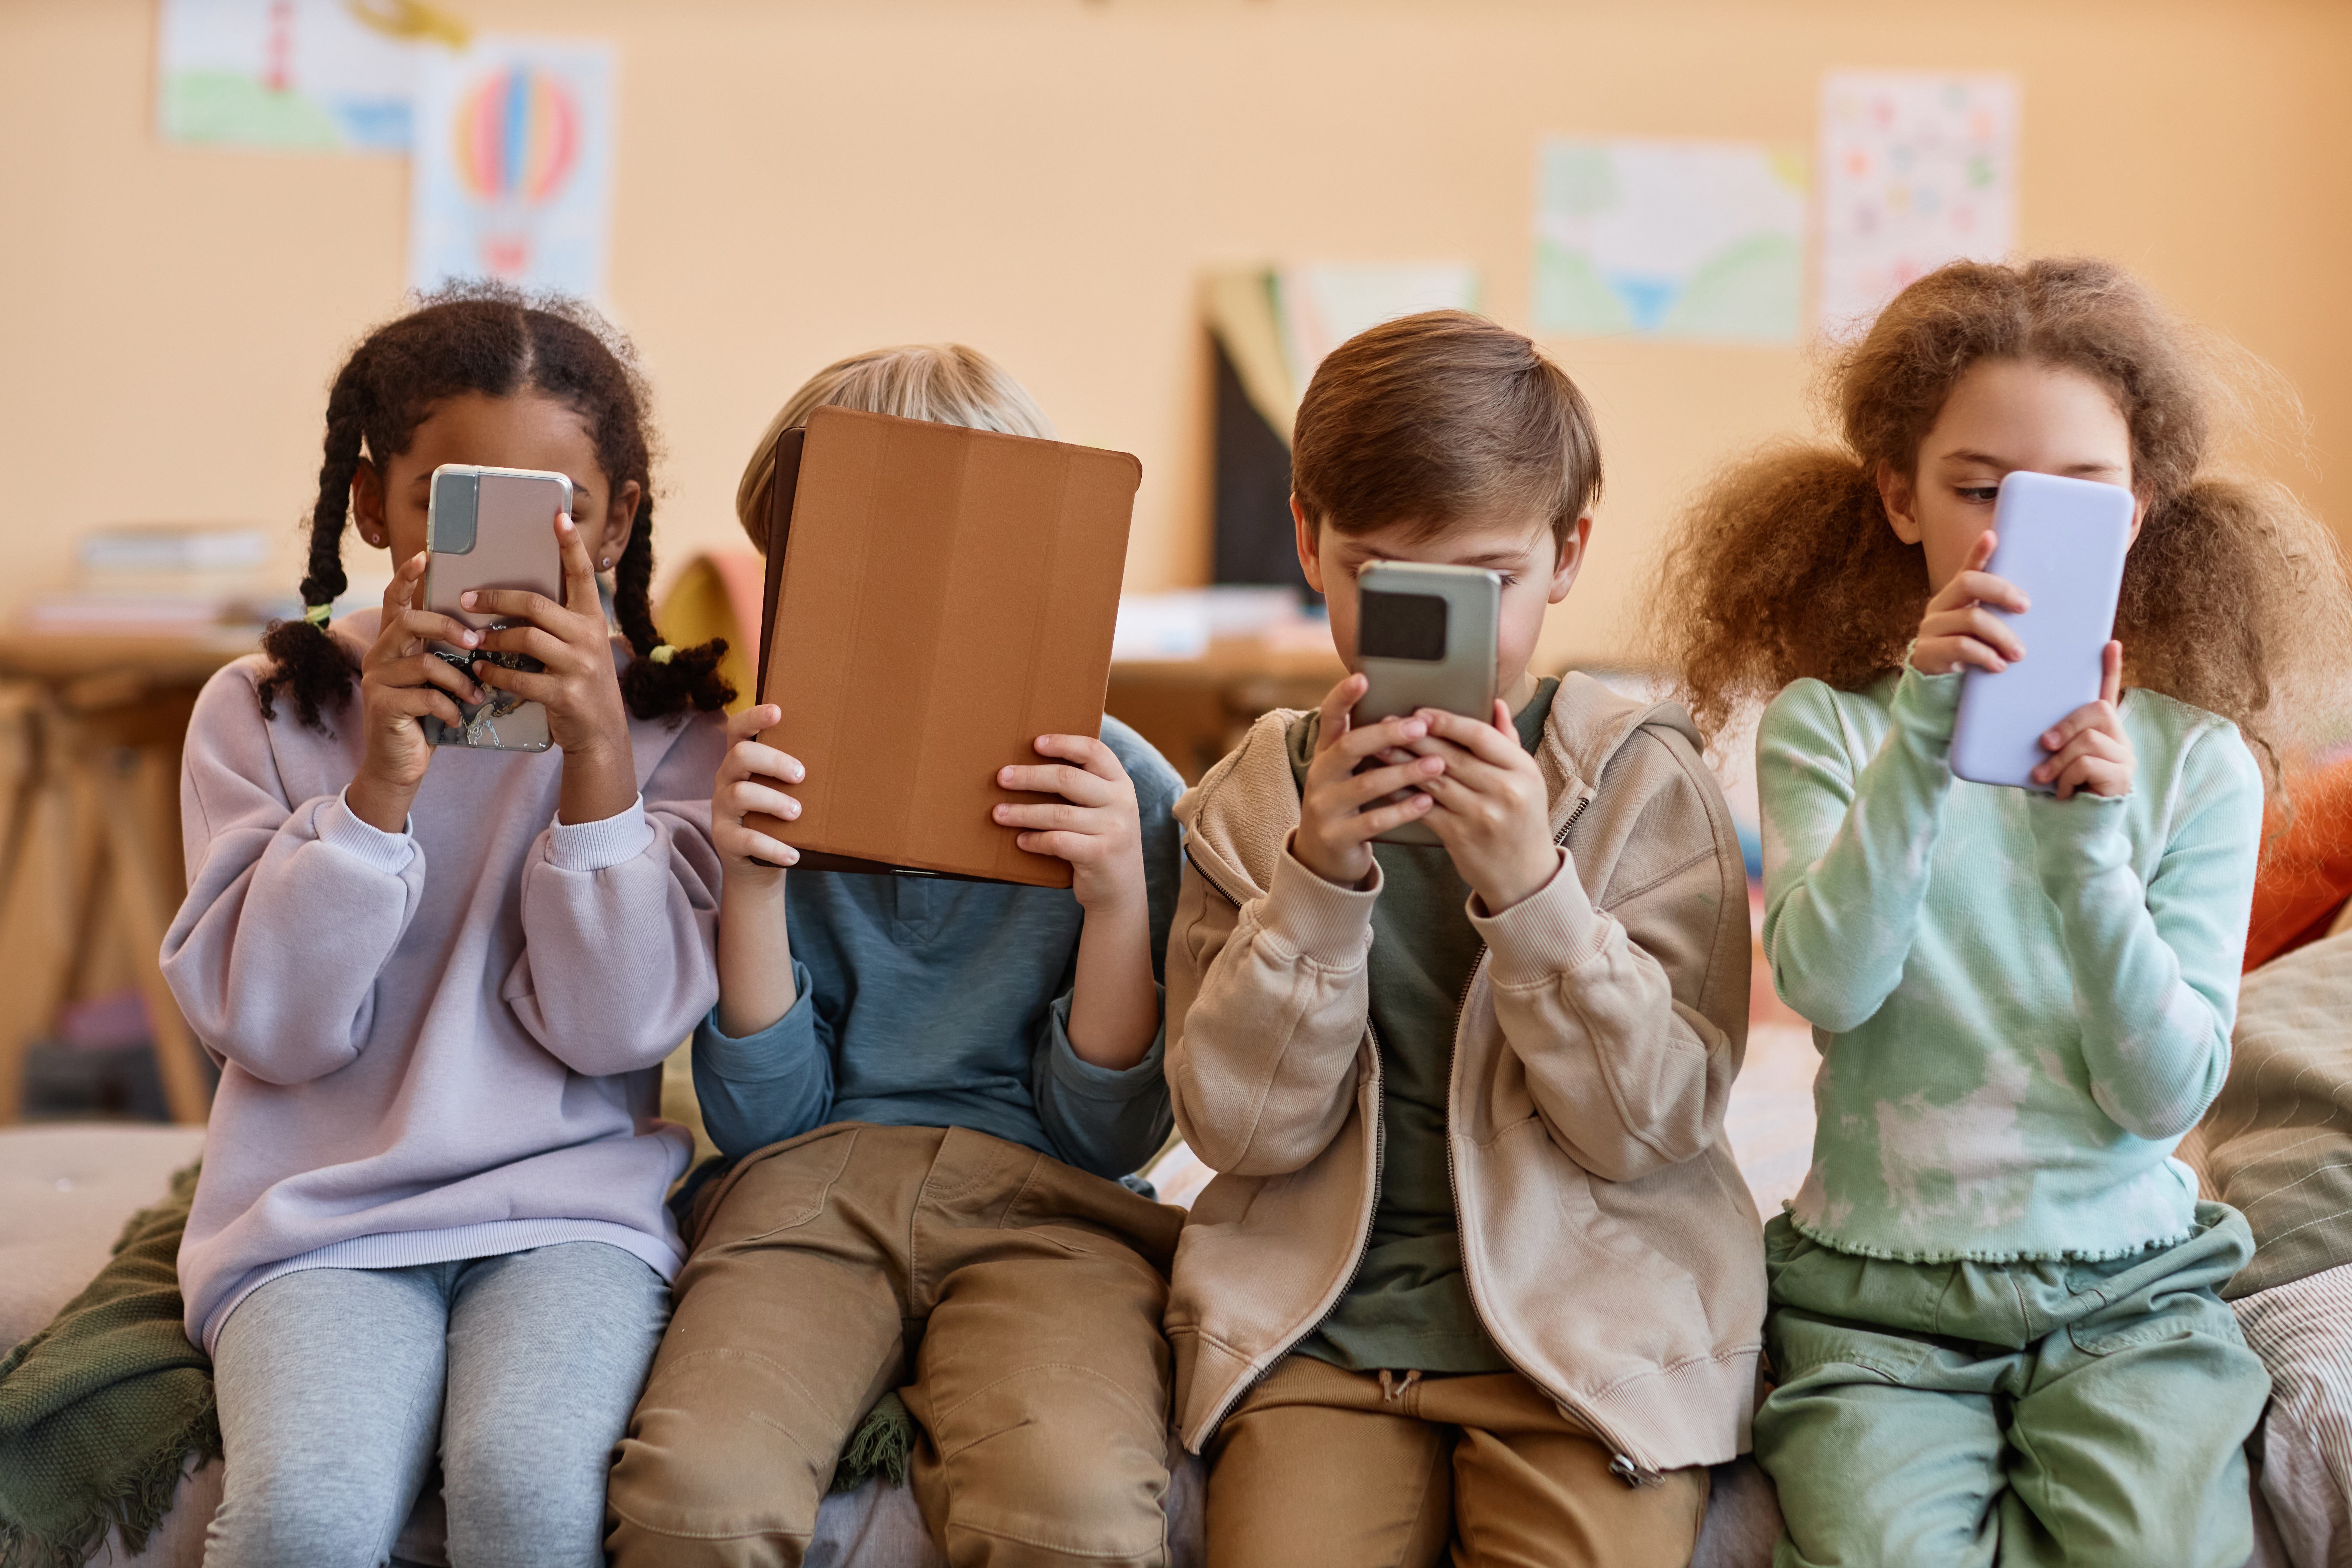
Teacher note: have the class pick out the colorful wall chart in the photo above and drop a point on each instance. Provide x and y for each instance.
(1669, 239)
(513, 174)
(320, 75)
(1322, 306)
(1918, 169)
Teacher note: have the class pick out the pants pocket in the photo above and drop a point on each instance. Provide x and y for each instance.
(780, 1192)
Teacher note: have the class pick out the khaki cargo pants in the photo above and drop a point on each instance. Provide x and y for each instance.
(1016, 1299)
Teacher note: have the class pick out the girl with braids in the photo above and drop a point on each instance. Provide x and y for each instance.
(430, 1223)
(1994, 1322)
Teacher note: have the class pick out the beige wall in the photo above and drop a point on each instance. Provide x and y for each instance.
(1045, 178)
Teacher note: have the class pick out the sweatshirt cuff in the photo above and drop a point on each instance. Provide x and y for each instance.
(1925, 706)
(1323, 920)
(602, 844)
(1090, 1081)
(338, 827)
(2079, 839)
(764, 1054)
(1548, 932)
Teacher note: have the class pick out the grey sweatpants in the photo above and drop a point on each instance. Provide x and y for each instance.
(337, 1385)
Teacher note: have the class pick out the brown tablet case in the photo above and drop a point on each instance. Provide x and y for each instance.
(937, 598)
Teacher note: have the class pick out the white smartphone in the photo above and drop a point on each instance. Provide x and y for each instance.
(2063, 542)
(1426, 637)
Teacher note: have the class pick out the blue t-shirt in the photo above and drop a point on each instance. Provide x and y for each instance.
(924, 1002)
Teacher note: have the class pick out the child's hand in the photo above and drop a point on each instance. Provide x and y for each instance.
(751, 780)
(2088, 751)
(1491, 808)
(400, 682)
(1335, 830)
(1096, 827)
(1960, 629)
(576, 683)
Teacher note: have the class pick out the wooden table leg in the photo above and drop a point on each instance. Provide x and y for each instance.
(145, 906)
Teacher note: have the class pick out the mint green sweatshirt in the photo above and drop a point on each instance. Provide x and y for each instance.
(2021, 1003)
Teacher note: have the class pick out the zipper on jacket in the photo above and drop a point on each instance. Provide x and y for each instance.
(1622, 1465)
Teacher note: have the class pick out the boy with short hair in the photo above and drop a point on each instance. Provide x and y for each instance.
(1478, 1263)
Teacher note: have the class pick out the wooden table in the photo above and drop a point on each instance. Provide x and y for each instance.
(91, 730)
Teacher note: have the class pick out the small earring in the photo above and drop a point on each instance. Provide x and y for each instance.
(607, 561)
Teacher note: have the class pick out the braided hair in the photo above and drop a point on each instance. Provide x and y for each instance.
(492, 339)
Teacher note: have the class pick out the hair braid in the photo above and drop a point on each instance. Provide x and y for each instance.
(305, 658)
(660, 679)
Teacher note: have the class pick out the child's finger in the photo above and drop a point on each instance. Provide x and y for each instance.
(751, 721)
(749, 844)
(1055, 778)
(748, 759)
(1072, 847)
(1987, 589)
(399, 593)
(1481, 740)
(514, 605)
(2111, 673)
(531, 642)
(1085, 751)
(579, 573)
(2096, 744)
(2090, 715)
(421, 669)
(431, 626)
(1379, 819)
(1052, 816)
(1338, 704)
(1375, 783)
(1372, 739)
(419, 701)
(746, 796)
(1976, 621)
(531, 684)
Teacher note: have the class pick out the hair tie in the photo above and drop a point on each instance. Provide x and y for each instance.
(663, 653)
(319, 614)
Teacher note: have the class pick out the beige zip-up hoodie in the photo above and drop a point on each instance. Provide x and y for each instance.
(1610, 1245)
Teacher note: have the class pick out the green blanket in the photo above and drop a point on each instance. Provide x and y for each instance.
(2277, 1144)
(100, 1411)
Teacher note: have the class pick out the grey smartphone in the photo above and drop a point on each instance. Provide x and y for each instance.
(1426, 637)
(491, 528)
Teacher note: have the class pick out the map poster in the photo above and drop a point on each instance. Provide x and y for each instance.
(514, 172)
(319, 75)
(1918, 169)
(1669, 239)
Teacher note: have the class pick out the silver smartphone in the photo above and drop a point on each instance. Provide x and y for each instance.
(2063, 542)
(491, 528)
(1426, 637)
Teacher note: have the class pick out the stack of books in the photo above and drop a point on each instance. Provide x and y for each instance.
(166, 580)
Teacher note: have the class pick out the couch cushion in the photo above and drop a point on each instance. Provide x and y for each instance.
(65, 1189)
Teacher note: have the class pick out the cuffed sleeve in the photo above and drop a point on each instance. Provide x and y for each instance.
(618, 959)
(768, 1087)
(1105, 1121)
(2156, 966)
(1263, 1060)
(1846, 854)
(1606, 1010)
(596, 846)
(275, 952)
(365, 841)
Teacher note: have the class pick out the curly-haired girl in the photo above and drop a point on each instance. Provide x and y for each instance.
(1993, 1319)
(430, 1222)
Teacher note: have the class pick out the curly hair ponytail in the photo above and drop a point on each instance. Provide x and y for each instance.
(485, 338)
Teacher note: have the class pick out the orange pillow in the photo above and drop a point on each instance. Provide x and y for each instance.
(2306, 873)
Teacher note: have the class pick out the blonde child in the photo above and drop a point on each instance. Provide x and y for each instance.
(440, 983)
(1477, 1266)
(1994, 1327)
(928, 1089)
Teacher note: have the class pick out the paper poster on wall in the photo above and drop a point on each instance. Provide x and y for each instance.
(1918, 169)
(1669, 239)
(1322, 306)
(513, 171)
(314, 75)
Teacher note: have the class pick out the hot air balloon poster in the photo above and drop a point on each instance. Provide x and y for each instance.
(513, 166)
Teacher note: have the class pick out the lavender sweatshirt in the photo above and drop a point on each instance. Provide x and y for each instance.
(439, 1044)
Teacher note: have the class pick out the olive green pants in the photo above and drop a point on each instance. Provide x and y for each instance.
(1964, 1413)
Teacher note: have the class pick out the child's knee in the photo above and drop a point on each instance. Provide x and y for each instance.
(304, 1515)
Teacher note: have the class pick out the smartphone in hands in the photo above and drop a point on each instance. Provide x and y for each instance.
(2063, 542)
(1426, 637)
(491, 528)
